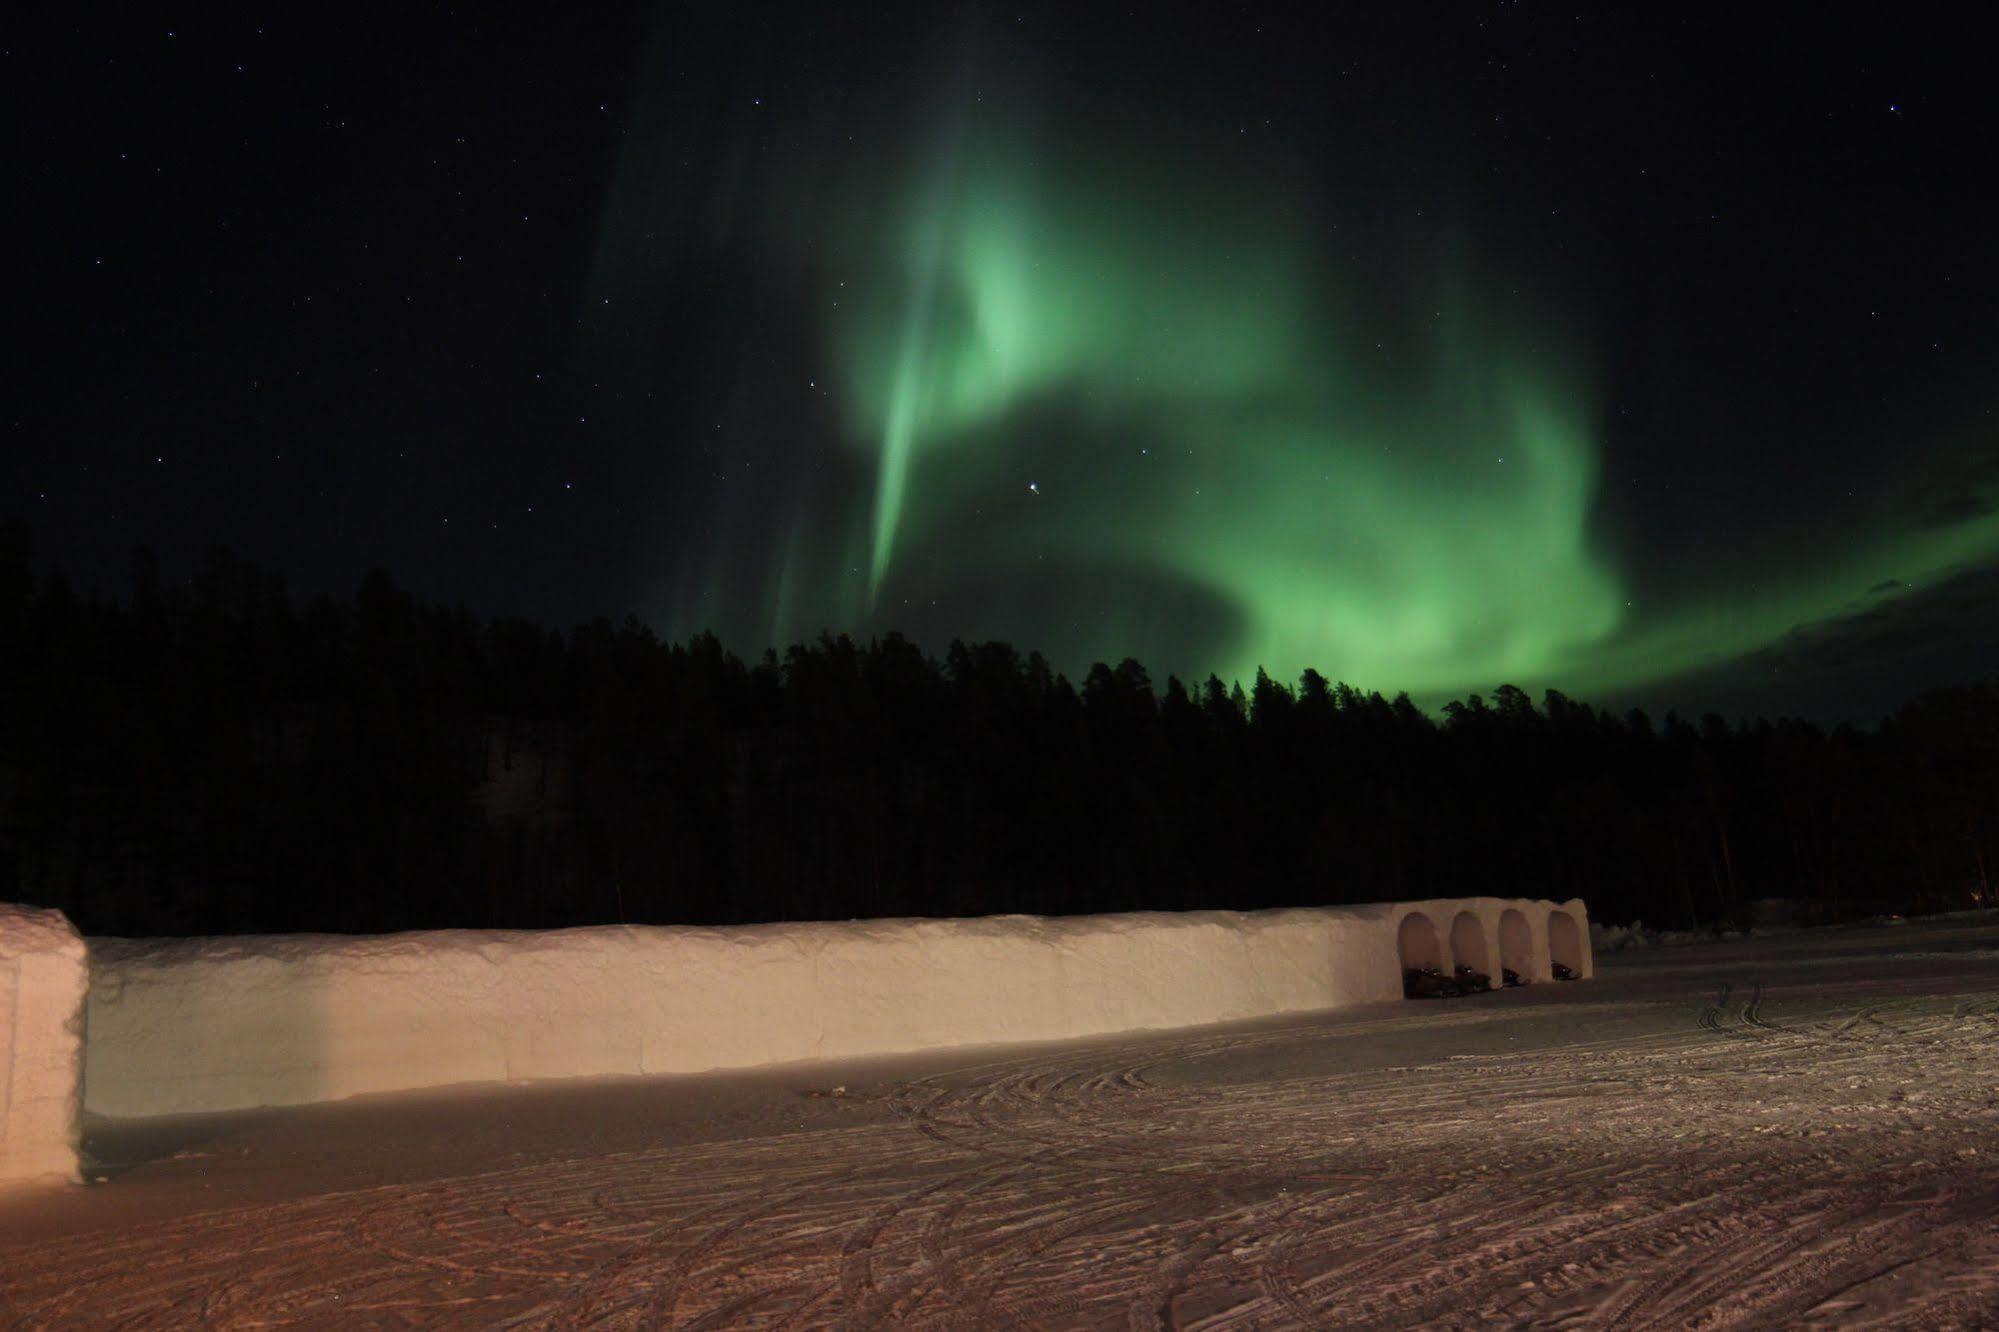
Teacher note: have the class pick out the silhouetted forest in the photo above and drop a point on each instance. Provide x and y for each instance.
(205, 757)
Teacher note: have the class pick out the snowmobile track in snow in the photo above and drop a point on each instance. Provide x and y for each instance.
(1793, 1155)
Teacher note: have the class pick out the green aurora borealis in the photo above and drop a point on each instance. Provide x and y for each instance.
(1178, 390)
(1118, 392)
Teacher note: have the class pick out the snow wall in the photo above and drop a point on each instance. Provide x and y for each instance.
(43, 978)
(179, 1026)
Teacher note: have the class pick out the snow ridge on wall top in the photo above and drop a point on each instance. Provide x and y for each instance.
(26, 929)
(806, 935)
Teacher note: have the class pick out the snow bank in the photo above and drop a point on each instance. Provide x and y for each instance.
(212, 1024)
(43, 978)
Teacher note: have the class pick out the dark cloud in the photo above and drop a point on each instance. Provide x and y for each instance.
(1857, 667)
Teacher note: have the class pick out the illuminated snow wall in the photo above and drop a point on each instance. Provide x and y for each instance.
(43, 977)
(215, 1024)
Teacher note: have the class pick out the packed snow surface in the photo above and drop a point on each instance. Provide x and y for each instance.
(1793, 1132)
(42, 982)
(193, 1025)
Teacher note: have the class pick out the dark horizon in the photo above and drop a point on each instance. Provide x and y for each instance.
(1820, 678)
(219, 758)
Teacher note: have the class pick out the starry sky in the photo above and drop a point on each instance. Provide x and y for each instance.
(1649, 357)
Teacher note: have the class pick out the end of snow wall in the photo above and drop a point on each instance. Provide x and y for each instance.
(180, 1026)
(43, 978)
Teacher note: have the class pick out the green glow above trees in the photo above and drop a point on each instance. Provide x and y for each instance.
(1095, 393)
(1109, 388)
(1187, 395)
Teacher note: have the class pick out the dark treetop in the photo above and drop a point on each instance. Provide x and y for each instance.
(214, 758)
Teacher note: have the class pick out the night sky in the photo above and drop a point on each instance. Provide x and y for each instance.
(1648, 357)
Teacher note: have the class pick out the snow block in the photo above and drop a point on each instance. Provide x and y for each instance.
(179, 1026)
(43, 978)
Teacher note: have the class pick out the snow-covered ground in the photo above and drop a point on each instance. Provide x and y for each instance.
(1798, 1130)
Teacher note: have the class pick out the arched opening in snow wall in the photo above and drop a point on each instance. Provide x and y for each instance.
(1472, 963)
(1422, 956)
(1416, 942)
(1516, 947)
(1565, 946)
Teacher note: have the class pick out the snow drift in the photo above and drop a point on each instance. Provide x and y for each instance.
(43, 978)
(212, 1024)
